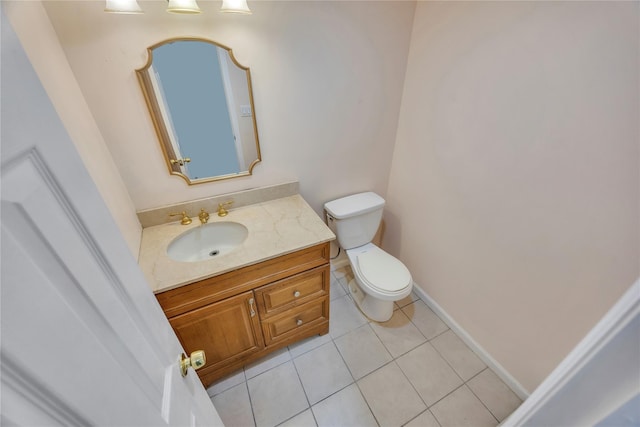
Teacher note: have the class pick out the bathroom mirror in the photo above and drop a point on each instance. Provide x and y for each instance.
(201, 104)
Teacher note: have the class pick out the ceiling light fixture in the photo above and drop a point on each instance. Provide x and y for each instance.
(176, 6)
(183, 6)
(235, 6)
(123, 6)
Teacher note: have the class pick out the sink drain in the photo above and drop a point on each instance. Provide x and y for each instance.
(214, 252)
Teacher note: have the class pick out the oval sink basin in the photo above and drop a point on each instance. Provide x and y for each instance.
(207, 241)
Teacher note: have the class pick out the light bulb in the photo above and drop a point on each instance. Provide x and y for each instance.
(122, 6)
(235, 6)
(183, 6)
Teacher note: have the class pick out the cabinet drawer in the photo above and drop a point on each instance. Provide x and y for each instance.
(292, 291)
(296, 320)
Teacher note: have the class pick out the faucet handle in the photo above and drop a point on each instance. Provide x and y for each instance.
(185, 218)
(204, 216)
(222, 211)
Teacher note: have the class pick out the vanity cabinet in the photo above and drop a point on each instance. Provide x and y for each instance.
(240, 316)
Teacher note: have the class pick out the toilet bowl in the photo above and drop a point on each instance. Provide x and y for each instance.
(379, 278)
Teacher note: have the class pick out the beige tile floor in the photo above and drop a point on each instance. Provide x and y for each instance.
(410, 371)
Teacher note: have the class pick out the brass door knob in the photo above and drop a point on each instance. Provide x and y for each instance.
(197, 360)
(180, 162)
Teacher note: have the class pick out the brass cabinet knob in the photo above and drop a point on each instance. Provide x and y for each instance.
(296, 294)
(197, 360)
(299, 322)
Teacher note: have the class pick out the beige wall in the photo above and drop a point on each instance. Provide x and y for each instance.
(39, 41)
(514, 190)
(327, 82)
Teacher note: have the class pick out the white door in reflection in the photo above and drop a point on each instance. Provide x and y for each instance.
(191, 74)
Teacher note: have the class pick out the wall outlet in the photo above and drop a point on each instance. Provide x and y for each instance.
(245, 111)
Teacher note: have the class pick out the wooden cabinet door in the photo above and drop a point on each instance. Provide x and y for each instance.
(227, 331)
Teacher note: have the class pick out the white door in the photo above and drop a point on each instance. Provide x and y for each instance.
(83, 340)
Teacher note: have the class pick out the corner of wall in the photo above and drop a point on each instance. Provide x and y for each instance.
(40, 42)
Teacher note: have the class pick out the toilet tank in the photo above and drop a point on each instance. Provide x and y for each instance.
(355, 219)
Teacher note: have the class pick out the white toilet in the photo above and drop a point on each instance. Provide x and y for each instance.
(380, 279)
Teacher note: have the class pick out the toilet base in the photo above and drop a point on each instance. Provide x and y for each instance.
(374, 308)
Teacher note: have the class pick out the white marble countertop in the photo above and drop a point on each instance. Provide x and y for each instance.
(276, 227)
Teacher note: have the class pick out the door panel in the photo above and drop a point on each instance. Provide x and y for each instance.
(84, 341)
(44, 351)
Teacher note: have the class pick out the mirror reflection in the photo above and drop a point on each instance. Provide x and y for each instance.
(201, 104)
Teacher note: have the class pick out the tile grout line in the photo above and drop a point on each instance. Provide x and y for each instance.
(393, 359)
(409, 350)
(426, 410)
(455, 372)
(367, 402)
(464, 382)
(326, 397)
(295, 368)
(452, 368)
(414, 389)
(253, 413)
(478, 397)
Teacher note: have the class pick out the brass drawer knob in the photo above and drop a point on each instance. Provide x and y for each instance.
(299, 322)
(296, 294)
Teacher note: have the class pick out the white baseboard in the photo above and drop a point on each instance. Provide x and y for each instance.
(342, 260)
(472, 344)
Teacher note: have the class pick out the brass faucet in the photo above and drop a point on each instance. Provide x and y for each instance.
(221, 208)
(204, 216)
(185, 219)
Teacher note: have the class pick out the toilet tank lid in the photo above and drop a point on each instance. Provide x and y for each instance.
(355, 204)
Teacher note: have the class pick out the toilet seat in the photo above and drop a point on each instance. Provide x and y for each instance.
(380, 271)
